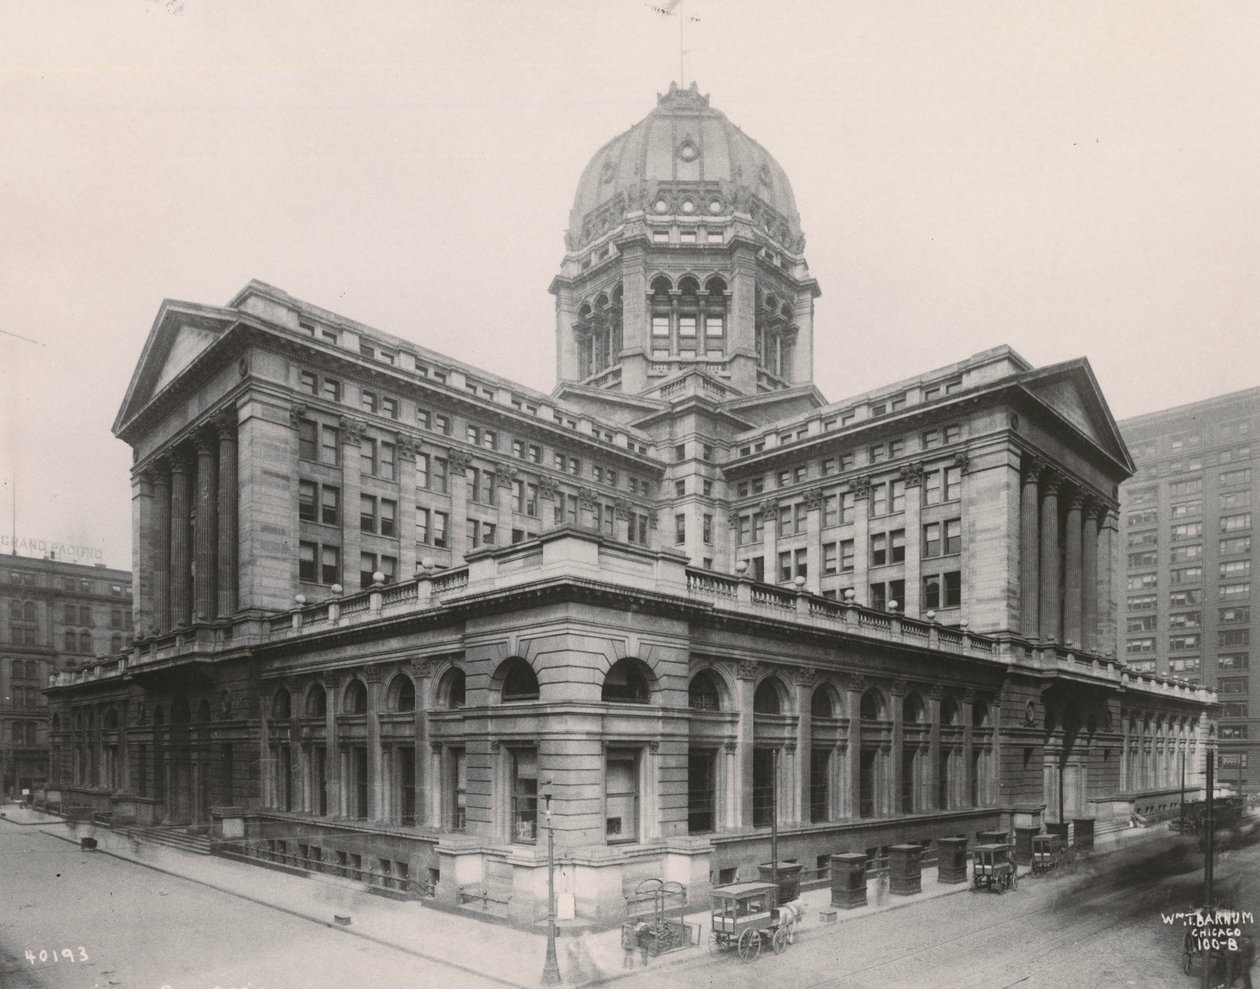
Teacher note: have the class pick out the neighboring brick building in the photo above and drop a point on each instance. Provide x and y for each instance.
(388, 602)
(1186, 586)
(53, 614)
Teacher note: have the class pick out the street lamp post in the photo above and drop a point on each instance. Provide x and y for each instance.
(551, 967)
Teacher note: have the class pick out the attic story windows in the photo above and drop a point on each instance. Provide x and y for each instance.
(688, 321)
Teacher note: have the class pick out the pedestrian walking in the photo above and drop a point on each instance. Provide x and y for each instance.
(643, 934)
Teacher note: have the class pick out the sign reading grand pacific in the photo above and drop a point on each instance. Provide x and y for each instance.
(68, 551)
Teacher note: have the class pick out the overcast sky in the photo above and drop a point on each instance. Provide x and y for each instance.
(1070, 179)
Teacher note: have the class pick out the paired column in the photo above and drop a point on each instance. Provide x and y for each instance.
(162, 550)
(1029, 570)
(181, 600)
(1050, 560)
(1089, 579)
(205, 531)
(229, 495)
(1072, 573)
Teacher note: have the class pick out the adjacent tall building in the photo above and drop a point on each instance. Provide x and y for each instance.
(1186, 585)
(53, 615)
(397, 614)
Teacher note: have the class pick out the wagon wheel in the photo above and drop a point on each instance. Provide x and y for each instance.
(779, 941)
(749, 945)
(1000, 885)
(717, 943)
(1014, 878)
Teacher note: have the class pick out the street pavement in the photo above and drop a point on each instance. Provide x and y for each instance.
(180, 919)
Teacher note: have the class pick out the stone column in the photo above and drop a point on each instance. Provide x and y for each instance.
(181, 601)
(966, 712)
(351, 535)
(457, 530)
(229, 495)
(1029, 568)
(378, 797)
(1106, 591)
(853, 685)
(143, 546)
(1050, 560)
(162, 548)
(742, 785)
(934, 802)
(912, 475)
(813, 545)
(503, 478)
(426, 812)
(770, 539)
(897, 698)
(861, 554)
(406, 518)
(205, 534)
(804, 741)
(1072, 571)
(1089, 579)
(332, 751)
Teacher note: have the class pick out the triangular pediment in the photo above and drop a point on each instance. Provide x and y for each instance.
(181, 333)
(1071, 391)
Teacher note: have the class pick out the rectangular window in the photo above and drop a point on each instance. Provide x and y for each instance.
(1185, 554)
(306, 500)
(879, 549)
(846, 555)
(1227, 638)
(830, 558)
(879, 499)
(953, 483)
(308, 553)
(440, 526)
(1228, 478)
(422, 524)
(524, 795)
(1235, 592)
(1134, 647)
(388, 517)
(1146, 558)
(1185, 619)
(1140, 623)
(309, 383)
(701, 790)
(1193, 486)
(621, 796)
(332, 389)
(1185, 575)
(1180, 643)
(819, 785)
(1186, 530)
(308, 440)
(1235, 499)
(457, 816)
(1235, 568)
(1184, 510)
(367, 455)
(367, 513)
(1239, 544)
(1182, 599)
(329, 505)
(1240, 615)
(1232, 662)
(1236, 523)
(330, 565)
(368, 400)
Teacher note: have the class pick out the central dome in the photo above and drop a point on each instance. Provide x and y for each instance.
(684, 145)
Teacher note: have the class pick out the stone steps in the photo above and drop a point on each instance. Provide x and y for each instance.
(193, 840)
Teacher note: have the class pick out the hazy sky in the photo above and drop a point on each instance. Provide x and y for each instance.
(1070, 178)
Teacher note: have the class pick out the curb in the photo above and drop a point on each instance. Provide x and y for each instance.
(302, 916)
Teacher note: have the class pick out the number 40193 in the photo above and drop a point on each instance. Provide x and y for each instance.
(69, 954)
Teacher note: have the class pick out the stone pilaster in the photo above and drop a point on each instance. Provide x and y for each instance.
(1050, 560)
(205, 531)
(1089, 578)
(162, 547)
(229, 495)
(181, 596)
(1072, 571)
(1029, 550)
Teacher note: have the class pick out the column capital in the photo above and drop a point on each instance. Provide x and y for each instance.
(732, 518)
(178, 463)
(352, 430)
(860, 485)
(731, 747)
(1032, 468)
(813, 499)
(1052, 481)
(963, 462)
(407, 446)
(1077, 502)
(805, 677)
(747, 669)
(769, 508)
(297, 413)
(1091, 509)
(547, 487)
(421, 668)
(912, 474)
(205, 443)
(459, 461)
(224, 423)
(969, 696)
(854, 681)
(936, 692)
(899, 688)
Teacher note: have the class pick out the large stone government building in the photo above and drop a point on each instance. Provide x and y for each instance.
(390, 607)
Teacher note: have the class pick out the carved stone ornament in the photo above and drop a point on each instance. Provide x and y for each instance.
(296, 414)
(731, 747)
(969, 696)
(373, 674)
(407, 446)
(747, 669)
(962, 462)
(769, 508)
(224, 421)
(623, 509)
(912, 474)
(805, 677)
(547, 488)
(1051, 482)
(899, 688)
(586, 498)
(854, 681)
(421, 668)
(1030, 715)
(1092, 510)
(505, 476)
(732, 518)
(352, 430)
(459, 461)
(860, 485)
(813, 499)
(936, 692)
(789, 747)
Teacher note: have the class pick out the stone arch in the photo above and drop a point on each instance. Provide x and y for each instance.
(707, 691)
(771, 696)
(400, 695)
(950, 713)
(203, 712)
(354, 697)
(179, 711)
(316, 703)
(452, 689)
(516, 680)
(111, 719)
(874, 706)
(628, 681)
(913, 710)
(824, 701)
(281, 705)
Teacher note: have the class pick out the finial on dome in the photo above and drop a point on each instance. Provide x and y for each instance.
(690, 97)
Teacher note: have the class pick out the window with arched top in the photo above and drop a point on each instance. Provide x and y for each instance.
(159, 718)
(704, 693)
(949, 711)
(911, 709)
(821, 704)
(519, 681)
(768, 697)
(401, 695)
(451, 689)
(626, 682)
(980, 714)
(179, 712)
(873, 705)
(111, 720)
(355, 698)
(28, 612)
(316, 701)
(203, 711)
(15, 611)
(280, 705)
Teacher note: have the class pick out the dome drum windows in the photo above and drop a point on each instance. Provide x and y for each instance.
(688, 322)
(774, 335)
(598, 332)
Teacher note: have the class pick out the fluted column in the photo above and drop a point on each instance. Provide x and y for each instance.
(746, 675)
(853, 685)
(898, 700)
(1106, 622)
(1072, 573)
(1089, 578)
(181, 600)
(162, 548)
(1029, 567)
(229, 495)
(804, 742)
(1050, 559)
(934, 801)
(770, 539)
(967, 713)
(205, 530)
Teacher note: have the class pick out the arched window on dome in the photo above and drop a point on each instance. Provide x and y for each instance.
(714, 318)
(773, 334)
(662, 306)
(688, 322)
(598, 332)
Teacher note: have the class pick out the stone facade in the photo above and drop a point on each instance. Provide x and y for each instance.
(404, 614)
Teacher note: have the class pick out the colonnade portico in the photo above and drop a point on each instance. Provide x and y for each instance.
(1065, 560)
(188, 500)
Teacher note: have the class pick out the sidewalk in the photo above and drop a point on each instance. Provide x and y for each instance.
(505, 954)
